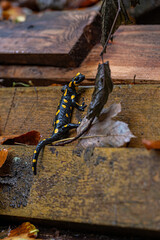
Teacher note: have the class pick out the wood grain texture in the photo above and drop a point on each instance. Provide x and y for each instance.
(135, 51)
(140, 109)
(53, 38)
(111, 187)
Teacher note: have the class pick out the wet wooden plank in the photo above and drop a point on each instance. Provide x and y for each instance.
(55, 38)
(135, 51)
(140, 109)
(102, 186)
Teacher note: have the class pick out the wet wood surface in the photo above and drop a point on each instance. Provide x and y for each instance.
(102, 186)
(140, 109)
(56, 38)
(134, 56)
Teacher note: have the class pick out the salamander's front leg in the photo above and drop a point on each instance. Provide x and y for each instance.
(77, 105)
(70, 126)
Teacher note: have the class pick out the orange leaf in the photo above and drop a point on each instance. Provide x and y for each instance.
(3, 156)
(14, 13)
(30, 138)
(25, 228)
(151, 144)
(5, 5)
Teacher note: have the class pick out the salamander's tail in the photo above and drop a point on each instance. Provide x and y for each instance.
(38, 149)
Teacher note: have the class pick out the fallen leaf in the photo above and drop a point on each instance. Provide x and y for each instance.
(151, 144)
(104, 131)
(3, 156)
(5, 5)
(14, 14)
(29, 138)
(24, 231)
(21, 237)
(108, 11)
(103, 87)
(81, 3)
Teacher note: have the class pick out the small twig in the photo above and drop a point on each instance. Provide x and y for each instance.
(22, 144)
(110, 33)
(12, 103)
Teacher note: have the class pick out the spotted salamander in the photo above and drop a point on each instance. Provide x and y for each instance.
(63, 116)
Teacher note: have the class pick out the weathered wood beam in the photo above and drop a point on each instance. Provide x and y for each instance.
(102, 186)
(134, 51)
(140, 109)
(55, 38)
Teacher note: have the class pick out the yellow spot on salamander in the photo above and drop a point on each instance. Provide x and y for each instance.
(44, 139)
(79, 122)
(65, 100)
(34, 160)
(66, 125)
(56, 130)
(70, 84)
(57, 121)
(57, 112)
(64, 106)
(67, 115)
(75, 83)
(73, 96)
(65, 93)
(33, 169)
(71, 108)
(35, 151)
(78, 74)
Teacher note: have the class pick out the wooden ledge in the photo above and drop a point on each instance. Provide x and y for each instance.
(140, 109)
(103, 186)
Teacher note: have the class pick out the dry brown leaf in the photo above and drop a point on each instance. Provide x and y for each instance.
(5, 5)
(3, 156)
(104, 131)
(24, 231)
(14, 14)
(30, 138)
(81, 3)
(103, 87)
(21, 237)
(109, 11)
(151, 144)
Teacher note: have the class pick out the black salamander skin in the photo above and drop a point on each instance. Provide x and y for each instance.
(63, 116)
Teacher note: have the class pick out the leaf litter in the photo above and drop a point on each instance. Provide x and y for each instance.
(25, 231)
(3, 156)
(104, 131)
(29, 138)
(150, 144)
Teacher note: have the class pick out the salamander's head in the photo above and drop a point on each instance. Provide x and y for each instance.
(76, 80)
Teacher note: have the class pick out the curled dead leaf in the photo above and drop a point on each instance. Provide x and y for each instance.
(30, 138)
(24, 231)
(103, 87)
(108, 11)
(151, 144)
(104, 131)
(3, 156)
